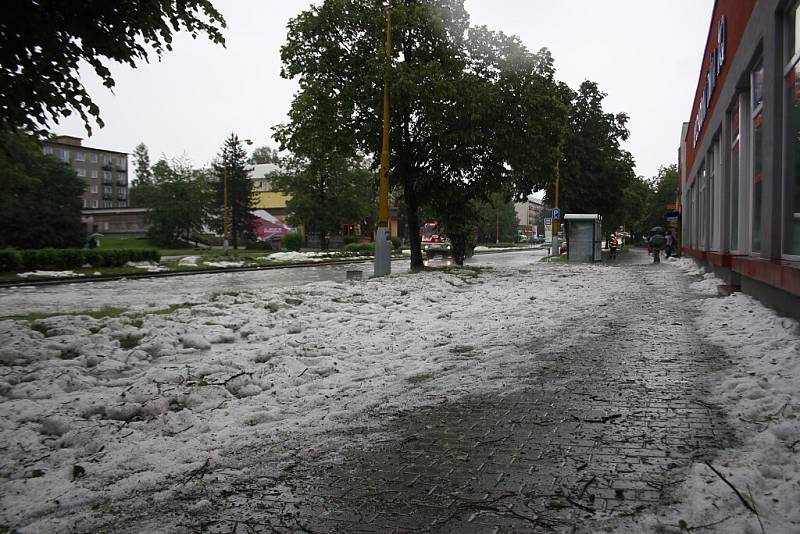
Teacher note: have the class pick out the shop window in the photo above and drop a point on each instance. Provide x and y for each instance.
(734, 177)
(757, 137)
(791, 208)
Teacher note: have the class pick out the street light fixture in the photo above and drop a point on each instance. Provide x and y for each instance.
(226, 211)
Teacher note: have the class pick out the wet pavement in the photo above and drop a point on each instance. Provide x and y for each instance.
(596, 422)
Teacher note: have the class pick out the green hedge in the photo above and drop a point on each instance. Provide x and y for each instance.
(72, 258)
(360, 248)
(293, 241)
(9, 260)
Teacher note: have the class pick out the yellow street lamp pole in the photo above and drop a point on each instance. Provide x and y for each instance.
(383, 264)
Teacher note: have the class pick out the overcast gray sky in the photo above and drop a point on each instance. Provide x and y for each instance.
(645, 54)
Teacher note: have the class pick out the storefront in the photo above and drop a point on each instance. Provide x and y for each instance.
(739, 161)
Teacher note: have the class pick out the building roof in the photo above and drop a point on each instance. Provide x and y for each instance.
(71, 141)
(261, 169)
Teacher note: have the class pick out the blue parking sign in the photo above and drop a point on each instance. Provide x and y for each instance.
(556, 213)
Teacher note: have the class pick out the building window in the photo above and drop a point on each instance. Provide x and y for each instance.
(791, 196)
(48, 150)
(80, 171)
(93, 188)
(108, 204)
(80, 156)
(85, 203)
(122, 204)
(93, 158)
(65, 155)
(93, 173)
(702, 206)
(94, 203)
(757, 137)
(107, 189)
(107, 176)
(734, 177)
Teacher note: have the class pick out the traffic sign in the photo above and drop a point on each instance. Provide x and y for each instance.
(556, 213)
(547, 221)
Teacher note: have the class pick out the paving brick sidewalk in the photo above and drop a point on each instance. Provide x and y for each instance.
(600, 426)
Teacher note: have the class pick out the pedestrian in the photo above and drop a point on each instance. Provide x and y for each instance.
(613, 244)
(669, 242)
(656, 243)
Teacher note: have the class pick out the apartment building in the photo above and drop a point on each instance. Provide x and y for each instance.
(740, 152)
(105, 172)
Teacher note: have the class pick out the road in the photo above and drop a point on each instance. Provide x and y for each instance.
(168, 291)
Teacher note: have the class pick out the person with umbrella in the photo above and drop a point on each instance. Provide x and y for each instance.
(657, 242)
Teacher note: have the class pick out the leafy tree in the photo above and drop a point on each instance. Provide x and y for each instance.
(665, 184)
(44, 42)
(40, 204)
(141, 158)
(636, 199)
(496, 218)
(595, 170)
(326, 193)
(232, 168)
(177, 197)
(472, 114)
(144, 175)
(264, 154)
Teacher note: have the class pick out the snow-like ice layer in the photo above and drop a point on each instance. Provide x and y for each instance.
(50, 274)
(149, 266)
(223, 264)
(142, 399)
(139, 400)
(760, 393)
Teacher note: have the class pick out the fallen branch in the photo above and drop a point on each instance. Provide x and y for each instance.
(586, 486)
(199, 471)
(747, 505)
(752, 500)
(579, 505)
(304, 372)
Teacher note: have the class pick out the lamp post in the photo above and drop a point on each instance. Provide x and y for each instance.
(226, 209)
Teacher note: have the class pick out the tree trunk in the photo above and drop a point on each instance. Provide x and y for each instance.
(412, 212)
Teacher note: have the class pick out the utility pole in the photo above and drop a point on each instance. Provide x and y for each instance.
(225, 214)
(383, 248)
(496, 226)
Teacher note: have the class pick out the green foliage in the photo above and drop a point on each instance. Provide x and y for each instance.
(9, 260)
(397, 243)
(470, 107)
(264, 154)
(359, 248)
(496, 218)
(177, 197)
(59, 259)
(351, 239)
(327, 191)
(45, 42)
(40, 203)
(595, 170)
(293, 241)
(232, 168)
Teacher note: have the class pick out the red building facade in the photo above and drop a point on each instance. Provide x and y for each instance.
(739, 152)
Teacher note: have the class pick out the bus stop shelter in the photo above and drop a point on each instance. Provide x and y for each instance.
(584, 237)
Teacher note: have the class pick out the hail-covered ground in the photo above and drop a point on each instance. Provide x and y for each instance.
(95, 409)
